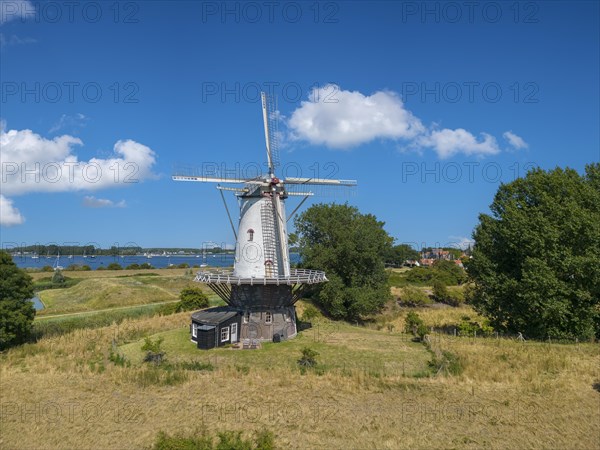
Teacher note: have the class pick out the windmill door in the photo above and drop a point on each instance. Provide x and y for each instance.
(234, 331)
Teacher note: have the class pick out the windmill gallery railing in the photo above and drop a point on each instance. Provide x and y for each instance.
(297, 276)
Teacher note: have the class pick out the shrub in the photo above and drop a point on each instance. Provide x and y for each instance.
(413, 296)
(472, 328)
(47, 269)
(310, 312)
(168, 309)
(308, 359)
(440, 292)
(114, 266)
(133, 266)
(183, 266)
(146, 266)
(153, 350)
(191, 299)
(415, 325)
(85, 267)
(456, 297)
(446, 363)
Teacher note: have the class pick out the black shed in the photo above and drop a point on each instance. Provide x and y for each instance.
(216, 327)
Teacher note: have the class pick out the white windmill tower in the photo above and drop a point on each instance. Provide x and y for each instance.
(262, 289)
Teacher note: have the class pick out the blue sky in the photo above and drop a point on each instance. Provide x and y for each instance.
(429, 106)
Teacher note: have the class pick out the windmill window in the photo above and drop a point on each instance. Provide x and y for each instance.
(250, 234)
(247, 317)
(224, 334)
(268, 317)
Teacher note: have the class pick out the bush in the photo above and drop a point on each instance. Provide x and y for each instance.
(114, 266)
(191, 299)
(413, 296)
(310, 312)
(308, 358)
(473, 328)
(168, 309)
(47, 269)
(153, 350)
(440, 292)
(415, 325)
(146, 266)
(183, 266)
(85, 267)
(456, 297)
(133, 266)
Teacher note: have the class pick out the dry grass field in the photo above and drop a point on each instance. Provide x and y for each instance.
(375, 390)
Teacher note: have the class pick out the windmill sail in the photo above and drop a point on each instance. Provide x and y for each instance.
(271, 131)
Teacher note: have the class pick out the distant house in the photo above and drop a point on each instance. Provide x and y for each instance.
(436, 253)
(426, 262)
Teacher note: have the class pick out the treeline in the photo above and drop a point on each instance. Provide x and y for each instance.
(91, 250)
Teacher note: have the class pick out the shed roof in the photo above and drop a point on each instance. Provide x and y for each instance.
(214, 316)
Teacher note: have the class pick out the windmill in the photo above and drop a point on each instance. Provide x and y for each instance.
(261, 289)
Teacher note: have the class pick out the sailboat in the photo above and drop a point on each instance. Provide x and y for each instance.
(203, 259)
(56, 265)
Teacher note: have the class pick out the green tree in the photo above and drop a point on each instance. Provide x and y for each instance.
(440, 292)
(535, 261)
(398, 254)
(191, 299)
(350, 247)
(16, 311)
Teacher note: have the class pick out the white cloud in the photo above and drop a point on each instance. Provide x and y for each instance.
(32, 163)
(70, 121)
(13, 39)
(9, 215)
(461, 242)
(93, 202)
(15, 9)
(447, 143)
(515, 141)
(344, 119)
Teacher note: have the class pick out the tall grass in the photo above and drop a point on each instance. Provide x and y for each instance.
(65, 392)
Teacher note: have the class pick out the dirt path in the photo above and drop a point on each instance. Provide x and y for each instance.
(51, 316)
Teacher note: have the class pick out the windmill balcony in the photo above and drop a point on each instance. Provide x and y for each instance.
(297, 276)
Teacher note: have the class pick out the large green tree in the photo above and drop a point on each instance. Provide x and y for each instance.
(16, 311)
(350, 247)
(536, 260)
